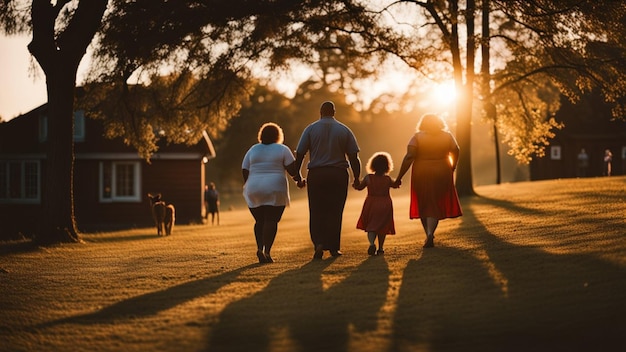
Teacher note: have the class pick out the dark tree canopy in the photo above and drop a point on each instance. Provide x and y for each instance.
(210, 50)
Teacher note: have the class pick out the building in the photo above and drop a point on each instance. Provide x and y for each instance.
(111, 181)
(589, 126)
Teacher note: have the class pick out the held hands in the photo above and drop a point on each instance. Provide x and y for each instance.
(396, 183)
(300, 182)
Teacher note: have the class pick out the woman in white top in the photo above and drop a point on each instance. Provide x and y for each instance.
(265, 189)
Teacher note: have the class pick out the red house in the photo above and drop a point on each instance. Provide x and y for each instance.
(111, 181)
(589, 126)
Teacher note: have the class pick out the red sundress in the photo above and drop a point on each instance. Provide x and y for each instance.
(433, 193)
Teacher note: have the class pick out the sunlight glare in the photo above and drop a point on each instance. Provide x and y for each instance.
(443, 93)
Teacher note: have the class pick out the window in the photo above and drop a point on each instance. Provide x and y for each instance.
(119, 181)
(79, 127)
(20, 181)
(555, 152)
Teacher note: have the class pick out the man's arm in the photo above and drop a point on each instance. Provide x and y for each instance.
(298, 162)
(297, 174)
(355, 165)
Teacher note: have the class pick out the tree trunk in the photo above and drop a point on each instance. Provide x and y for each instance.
(464, 179)
(488, 106)
(496, 142)
(58, 223)
(59, 55)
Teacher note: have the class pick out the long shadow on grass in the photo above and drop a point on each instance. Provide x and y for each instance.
(501, 203)
(439, 291)
(21, 246)
(154, 302)
(295, 312)
(117, 238)
(506, 297)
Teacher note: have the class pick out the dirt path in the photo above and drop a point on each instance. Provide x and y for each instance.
(530, 266)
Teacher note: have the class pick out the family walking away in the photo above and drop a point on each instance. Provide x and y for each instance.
(377, 214)
(434, 153)
(332, 149)
(266, 188)
(211, 203)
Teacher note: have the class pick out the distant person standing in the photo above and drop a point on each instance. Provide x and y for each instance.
(583, 163)
(211, 203)
(434, 154)
(332, 149)
(265, 188)
(377, 214)
(608, 159)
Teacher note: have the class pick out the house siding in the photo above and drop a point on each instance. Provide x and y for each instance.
(177, 172)
(567, 167)
(589, 125)
(178, 181)
(180, 184)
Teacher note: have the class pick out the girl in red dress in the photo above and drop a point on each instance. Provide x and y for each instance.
(377, 213)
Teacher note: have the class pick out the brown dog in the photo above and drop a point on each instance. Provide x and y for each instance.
(164, 214)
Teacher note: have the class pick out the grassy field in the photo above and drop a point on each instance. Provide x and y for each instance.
(536, 266)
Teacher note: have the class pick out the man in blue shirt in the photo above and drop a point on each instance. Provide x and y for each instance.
(332, 149)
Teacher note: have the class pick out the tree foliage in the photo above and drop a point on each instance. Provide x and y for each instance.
(579, 45)
(571, 45)
(209, 51)
(553, 49)
(176, 108)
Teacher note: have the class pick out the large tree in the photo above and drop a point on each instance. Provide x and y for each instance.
(61, 32)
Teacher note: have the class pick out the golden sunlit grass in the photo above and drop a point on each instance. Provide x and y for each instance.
(530, 266)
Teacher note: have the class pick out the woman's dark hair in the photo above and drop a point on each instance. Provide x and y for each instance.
(270, 133)
(380, 163)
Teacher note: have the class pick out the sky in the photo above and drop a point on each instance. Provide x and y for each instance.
(21, 89)
(23, 85)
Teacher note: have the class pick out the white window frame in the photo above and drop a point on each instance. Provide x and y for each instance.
(5, 182)
(113, 196)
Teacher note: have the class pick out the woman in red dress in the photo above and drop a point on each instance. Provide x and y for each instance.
(377, 214)
(434, 154)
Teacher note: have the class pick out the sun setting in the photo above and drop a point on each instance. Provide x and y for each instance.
(443, 94)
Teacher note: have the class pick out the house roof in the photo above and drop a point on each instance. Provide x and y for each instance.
(22, 136)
